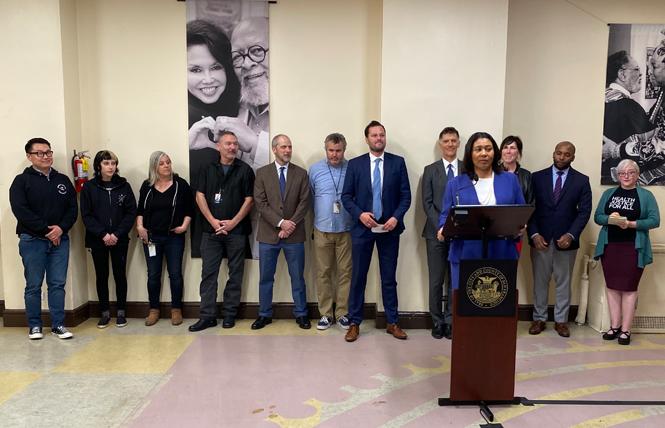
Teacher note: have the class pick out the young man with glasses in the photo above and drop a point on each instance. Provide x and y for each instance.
(44, 204)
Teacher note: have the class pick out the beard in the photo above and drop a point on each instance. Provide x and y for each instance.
(256, 93)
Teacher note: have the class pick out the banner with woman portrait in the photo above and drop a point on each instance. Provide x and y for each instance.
(227, 85)
(634, 121)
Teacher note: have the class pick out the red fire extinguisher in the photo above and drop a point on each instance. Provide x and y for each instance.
(81, 168)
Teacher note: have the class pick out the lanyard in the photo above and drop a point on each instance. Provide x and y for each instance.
(336, 185)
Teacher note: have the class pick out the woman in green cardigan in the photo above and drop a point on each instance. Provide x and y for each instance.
(626, 213)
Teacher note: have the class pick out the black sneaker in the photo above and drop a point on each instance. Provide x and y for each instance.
(62, 332)
(121, 321)
(35, 333)
(104, 321)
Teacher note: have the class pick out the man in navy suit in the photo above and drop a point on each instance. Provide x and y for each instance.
(377, 195)
(563, 208)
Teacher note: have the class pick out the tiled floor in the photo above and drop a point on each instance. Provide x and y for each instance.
(283, 376)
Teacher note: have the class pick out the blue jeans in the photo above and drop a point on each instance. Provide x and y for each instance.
(295, 260)
(40, 257)
(171, 247)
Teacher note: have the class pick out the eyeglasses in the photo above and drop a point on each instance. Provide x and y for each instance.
(256, 53)
(48, 154)
(627, 174)
(631, 69)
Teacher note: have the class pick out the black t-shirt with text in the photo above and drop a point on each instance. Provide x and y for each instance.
(627, 204)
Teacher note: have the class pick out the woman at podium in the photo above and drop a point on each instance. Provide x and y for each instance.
(483, 182)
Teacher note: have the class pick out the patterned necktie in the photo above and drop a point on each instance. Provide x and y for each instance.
(282, 181)
(557, 186)
(377, 208)
(451, 174)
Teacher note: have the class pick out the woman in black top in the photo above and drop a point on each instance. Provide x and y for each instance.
(166, 207)
(511, 154)
(108, 209)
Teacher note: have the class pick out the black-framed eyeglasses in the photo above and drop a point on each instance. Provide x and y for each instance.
(631, 69)
(256, 53)
(47, 154)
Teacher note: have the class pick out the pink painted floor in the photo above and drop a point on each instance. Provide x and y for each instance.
(293, 378)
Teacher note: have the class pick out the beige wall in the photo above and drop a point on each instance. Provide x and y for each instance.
(31, 104)
(111, 74)
(428, 83)
(555, 79)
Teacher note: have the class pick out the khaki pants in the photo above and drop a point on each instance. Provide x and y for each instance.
(332, 252)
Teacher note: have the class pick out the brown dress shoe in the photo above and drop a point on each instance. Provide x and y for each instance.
(352, 333)
(537, 327)
(397, 332)
(176, 316)
(153, 317)
(562, 329)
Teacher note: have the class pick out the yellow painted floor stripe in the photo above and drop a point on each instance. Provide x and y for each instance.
(621, 417)
(13, 382)
(127, 354)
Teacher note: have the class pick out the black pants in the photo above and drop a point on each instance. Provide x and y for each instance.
(100, 258)
(213, 248)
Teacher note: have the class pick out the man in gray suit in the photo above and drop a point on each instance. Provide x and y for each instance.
(435, 178)
(281, 195)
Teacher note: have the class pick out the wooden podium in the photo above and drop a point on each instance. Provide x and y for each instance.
(484, 309)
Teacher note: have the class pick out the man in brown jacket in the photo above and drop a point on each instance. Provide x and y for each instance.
(281, 195)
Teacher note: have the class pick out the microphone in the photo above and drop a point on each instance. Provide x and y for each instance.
(474, 181)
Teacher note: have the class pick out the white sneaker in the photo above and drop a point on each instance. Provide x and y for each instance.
(62, 332)
(324, 323)
(35, 333)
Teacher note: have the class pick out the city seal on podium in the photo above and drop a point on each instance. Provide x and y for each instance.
(487, 287)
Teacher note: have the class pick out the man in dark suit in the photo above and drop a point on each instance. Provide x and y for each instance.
(563, 208)
(377, 195)
(435, 178)
(281, 195)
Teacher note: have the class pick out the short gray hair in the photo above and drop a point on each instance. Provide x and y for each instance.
(153, 165)
(335, 138)
(276, 138)
(627, 163)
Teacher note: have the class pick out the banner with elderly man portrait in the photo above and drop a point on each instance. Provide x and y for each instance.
(634, 121)
(227, 86)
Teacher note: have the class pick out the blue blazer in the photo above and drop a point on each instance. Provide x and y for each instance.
(395, 195)
(569, 215)
(461, 191)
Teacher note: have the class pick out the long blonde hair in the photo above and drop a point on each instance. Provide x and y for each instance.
(153, 165)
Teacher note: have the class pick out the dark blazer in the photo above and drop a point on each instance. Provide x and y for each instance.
(395, 195)
(569, 215)
(272, 209)
(435, 179)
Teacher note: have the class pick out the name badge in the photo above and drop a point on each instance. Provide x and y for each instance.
(337, 207)
(218, 198)
(152, 250)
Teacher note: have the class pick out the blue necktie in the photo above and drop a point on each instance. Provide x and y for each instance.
(377, 208)
(451, 174)
(282, 181)
(557, 186)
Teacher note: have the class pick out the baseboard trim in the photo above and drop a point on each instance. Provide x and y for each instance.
(410, 320)
(73, 317)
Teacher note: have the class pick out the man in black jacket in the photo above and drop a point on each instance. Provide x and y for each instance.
(44, 204)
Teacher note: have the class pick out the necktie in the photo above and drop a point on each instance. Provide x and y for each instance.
(377, 209)
(282, 181)
(451, 174)
(557, 186)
